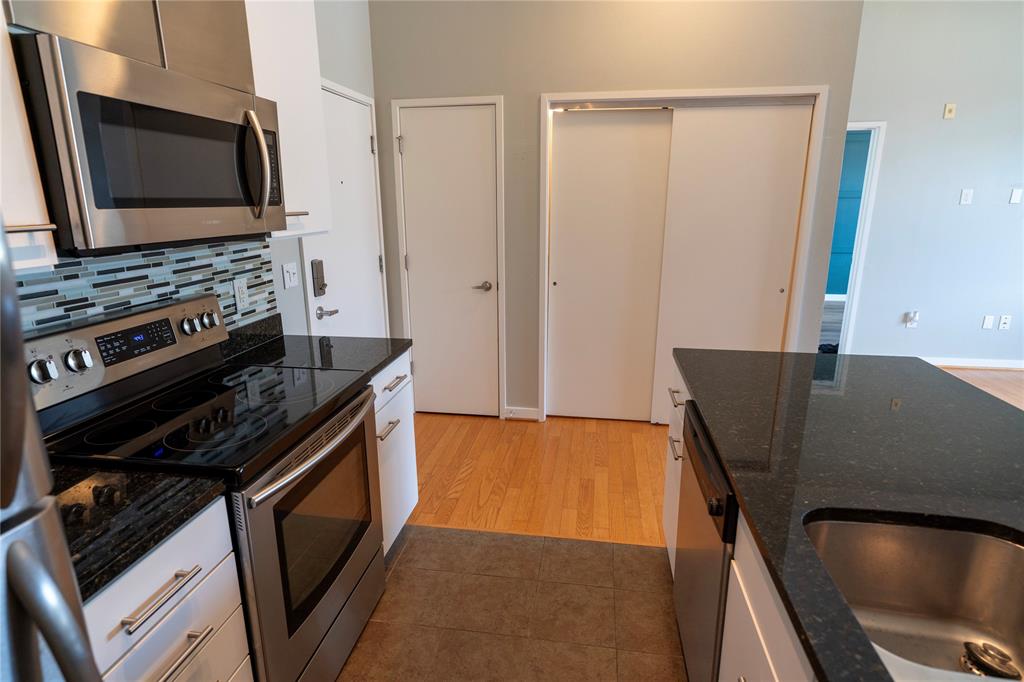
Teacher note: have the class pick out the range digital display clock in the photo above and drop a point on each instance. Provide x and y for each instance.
(135, 342)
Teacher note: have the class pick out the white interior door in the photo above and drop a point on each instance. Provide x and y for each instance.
(351, 250)
(609, 172)
(735, 187)
(448, 205)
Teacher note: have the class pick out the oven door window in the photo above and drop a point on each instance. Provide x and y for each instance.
(319, 523)
(145, 157)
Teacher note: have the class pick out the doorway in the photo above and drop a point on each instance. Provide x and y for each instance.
(861, 159)
(449, 188)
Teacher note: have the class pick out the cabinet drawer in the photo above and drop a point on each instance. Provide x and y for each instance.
(150, 589)
(678, 394)
(218, 660)
(203, 611)
(390, 380)
(396, 453)
(243, 673)
(743, 653)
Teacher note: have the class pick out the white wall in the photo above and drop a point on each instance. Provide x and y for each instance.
(522, 49)
(952, 263)
(343, 38)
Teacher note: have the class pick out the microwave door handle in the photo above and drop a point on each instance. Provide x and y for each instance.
(261, 141)
(269, 490)
(40, 596)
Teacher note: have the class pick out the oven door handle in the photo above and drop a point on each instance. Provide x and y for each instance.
(261, 140)
(272, 488)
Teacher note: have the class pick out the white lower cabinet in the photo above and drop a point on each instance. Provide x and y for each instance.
(674, 455)
(149, 590)
(182, 637)
(243, 673)
(396, 454)
(744, 658)
(218, 660)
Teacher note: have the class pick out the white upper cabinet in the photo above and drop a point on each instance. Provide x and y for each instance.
(286, 69)
(22, 192)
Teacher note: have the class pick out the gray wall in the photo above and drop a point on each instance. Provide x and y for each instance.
(343, 39)
(952, 263)
(291, 303)
(522, 49)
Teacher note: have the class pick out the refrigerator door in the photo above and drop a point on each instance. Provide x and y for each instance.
(24, 468)
(39, 596)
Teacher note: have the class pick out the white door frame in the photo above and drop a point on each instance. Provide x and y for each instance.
(348, 93)
(860, 240)
(549, 102)
(499, 155)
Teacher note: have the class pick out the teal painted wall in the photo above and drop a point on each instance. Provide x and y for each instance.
(851, 189)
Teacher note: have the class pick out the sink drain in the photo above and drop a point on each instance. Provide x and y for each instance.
(986, 659)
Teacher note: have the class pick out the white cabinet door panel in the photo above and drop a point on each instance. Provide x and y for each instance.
(743, 653)
(396, 453)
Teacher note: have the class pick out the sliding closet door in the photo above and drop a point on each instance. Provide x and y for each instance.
(609, 171)
(735, 185)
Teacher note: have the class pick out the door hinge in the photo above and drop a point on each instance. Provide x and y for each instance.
(405, 259)
(380, 264)
(373, 145)
(401, 144)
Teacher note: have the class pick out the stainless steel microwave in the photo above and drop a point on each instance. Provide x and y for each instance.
(132, 154)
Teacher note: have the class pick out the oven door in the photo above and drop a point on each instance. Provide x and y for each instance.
(312, 528)
(143, 155)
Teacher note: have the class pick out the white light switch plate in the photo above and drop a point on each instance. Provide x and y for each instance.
(290, 275)
(1015, 195)
(241, 293)
(988, 322)
(1004, 322)
(966, 196)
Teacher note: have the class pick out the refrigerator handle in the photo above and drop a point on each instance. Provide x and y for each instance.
(43, 601)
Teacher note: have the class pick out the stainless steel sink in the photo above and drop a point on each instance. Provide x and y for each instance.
(946, 599)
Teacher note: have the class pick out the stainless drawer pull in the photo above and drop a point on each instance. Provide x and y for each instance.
(396, 382)
(183, 577)
(672, 393)
(198, 639)
(392, 425)
(295, 214)
(672, 443)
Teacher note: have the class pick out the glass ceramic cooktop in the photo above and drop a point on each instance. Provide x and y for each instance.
(231, 422)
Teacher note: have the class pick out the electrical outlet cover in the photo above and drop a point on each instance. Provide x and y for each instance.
(1004, 322)
(241, 293)
(949, 111)
(290, 275)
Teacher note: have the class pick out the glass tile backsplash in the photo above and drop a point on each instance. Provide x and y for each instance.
(78, 287)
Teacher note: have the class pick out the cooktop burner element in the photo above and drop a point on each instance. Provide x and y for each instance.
(205, 435)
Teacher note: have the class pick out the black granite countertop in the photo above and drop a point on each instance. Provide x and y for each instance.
(365, 354)
(798, 432)
(113, 519)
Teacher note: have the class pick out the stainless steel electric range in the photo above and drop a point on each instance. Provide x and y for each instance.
(150, 389)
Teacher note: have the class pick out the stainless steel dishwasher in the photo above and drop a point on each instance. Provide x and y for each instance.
(705, 535)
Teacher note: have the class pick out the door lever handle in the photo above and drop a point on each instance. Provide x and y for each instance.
(484, 286)
(321, 313)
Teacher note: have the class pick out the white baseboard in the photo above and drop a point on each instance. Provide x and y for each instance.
(529, 413)
(979, 363)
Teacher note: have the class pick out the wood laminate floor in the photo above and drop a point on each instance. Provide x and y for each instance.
(571, 478)
(1005, 384)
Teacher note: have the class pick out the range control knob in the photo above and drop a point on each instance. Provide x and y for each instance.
(190, 326)
(210, 320)
(42, 371)
(105, 495)
(78, 360)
